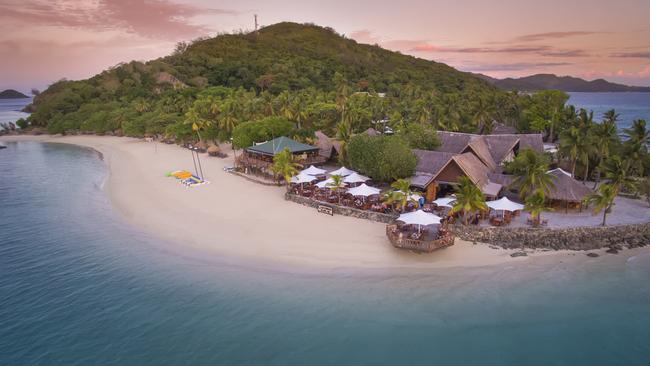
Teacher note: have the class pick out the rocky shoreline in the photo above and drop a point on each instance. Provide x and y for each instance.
(576, 238)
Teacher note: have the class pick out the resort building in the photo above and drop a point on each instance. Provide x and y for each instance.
(438, 171)
(258, 159)
(481, 158)
(328, 147)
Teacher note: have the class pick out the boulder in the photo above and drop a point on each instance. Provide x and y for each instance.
(592, 255)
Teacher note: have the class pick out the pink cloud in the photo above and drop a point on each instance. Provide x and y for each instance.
(552, 35)
(160, 19)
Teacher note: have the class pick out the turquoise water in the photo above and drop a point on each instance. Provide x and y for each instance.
(630, 106)
(78, 286)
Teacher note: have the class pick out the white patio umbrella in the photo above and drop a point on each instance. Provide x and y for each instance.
(325, 183)
(419, 218)
(363, 190)
(303, 178)
(504, 204)
(445, 201)
(355, 178)
(342, 171)
(312, 170)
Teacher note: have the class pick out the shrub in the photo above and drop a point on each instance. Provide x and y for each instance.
(383, 158)
(248, 133)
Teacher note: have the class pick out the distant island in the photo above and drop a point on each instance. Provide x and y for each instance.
(12, 94)
(564, 83)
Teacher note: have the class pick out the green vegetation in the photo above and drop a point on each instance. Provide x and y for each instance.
(284, 166)
(247, 133)
(531, 173)
(400, 195)
(337, 185)
(603, 199)
(306, 74)
(420, 136)
(469, 199)
(536, 204)
(383, 158)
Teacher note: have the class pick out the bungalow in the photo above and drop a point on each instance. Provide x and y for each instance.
(259, 158)
(566, 190)
(328, 147)
(493, 150)
(436, 170)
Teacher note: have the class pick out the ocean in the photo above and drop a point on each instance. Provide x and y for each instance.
(80, 286)
(10, 109)
(630, 106)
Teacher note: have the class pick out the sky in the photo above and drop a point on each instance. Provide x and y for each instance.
(42, 41)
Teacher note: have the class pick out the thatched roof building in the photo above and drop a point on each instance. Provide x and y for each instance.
(566, 188)
(493, 150)
(447, 168)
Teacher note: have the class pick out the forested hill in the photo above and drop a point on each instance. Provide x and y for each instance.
(564, 83)
(307, 74)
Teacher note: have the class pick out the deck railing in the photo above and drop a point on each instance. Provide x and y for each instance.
(404, 242)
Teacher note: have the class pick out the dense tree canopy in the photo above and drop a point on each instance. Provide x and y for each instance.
(383, 158)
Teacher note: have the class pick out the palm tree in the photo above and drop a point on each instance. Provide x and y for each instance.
(603, 200)
(638, 133)
(643, 187)
(343, 135)
(604, 137)
(337, 185)
(392, 197)
(469, 199)
(536, 204)
(284, 166)
(402, 192)
(617, 173)
(531, 173)
(568, 147)
(198, 124)
(576, 144)
(611, 116)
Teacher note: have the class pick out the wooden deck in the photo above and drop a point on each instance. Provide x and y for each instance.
(426, 246)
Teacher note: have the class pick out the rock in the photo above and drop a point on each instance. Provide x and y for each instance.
(519, 254)
(612, 251)
(592, 255)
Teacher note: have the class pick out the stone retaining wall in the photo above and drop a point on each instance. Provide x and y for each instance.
(576, 238)
(342, 210)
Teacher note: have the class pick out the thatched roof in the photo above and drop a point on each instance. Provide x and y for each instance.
(431, 162)
(491, 149)
(482, 151)
(567, 188)
(501, 145)
(531, 140)
(503, 179)
(453, 142)
(324, 144)
(475, 170)
(421, 180)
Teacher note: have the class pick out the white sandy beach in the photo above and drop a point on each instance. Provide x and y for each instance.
(232, 216)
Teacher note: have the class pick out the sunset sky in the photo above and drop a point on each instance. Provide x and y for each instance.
(43, 41)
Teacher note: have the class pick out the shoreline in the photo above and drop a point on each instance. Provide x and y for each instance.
(237, 219)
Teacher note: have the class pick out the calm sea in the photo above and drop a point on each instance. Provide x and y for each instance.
(78, 286)
(630, 106)
(10, 109)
